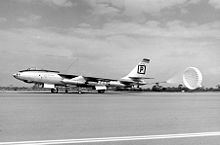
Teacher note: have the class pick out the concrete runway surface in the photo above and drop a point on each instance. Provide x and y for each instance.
(114, 118)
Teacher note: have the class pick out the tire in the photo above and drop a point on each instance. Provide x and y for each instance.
(52, 90)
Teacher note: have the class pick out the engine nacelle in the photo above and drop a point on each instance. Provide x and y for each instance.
(49, 86)
(116, 83)
(98, 88)
(75, 81)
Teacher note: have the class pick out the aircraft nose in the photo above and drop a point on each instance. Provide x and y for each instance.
(15, 75)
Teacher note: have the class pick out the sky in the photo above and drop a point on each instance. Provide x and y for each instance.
(107, 38)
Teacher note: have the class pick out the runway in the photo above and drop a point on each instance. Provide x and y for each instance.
(122, 117)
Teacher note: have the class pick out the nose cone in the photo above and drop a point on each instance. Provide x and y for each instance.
(14, 75)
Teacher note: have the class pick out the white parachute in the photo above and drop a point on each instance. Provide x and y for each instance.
(192, 78)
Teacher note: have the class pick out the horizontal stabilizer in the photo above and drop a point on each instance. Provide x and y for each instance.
(146, 60)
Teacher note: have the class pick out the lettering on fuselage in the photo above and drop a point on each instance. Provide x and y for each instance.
(141, 69)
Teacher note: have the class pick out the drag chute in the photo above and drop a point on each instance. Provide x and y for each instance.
(192, 78)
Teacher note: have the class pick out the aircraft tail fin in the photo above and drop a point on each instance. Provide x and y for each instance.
(140, 70)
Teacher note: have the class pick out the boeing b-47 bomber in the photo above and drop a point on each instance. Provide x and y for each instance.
(54, 79)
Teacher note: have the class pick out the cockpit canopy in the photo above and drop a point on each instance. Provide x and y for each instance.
(37, 69)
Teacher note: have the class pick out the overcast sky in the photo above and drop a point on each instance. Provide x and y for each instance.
(107, 38)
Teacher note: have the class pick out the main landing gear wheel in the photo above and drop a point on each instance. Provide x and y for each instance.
(54, 90)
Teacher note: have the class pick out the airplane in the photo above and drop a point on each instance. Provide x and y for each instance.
(53, 79)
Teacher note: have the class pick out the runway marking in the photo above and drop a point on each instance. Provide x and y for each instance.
(111, 139)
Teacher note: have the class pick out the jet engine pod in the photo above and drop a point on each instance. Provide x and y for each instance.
(192, 78)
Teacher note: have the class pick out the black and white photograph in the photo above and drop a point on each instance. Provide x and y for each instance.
(109, 72)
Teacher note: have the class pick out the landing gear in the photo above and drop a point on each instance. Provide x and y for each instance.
(66, 90)
(101, 91)
(54, 90)
(79, 90)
